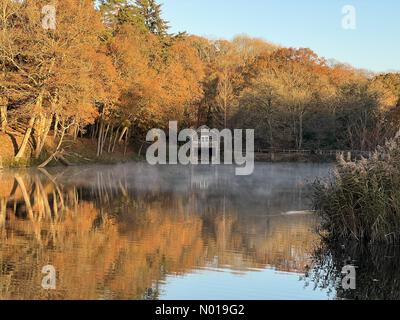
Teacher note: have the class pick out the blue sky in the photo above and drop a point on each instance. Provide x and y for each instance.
(317, 24)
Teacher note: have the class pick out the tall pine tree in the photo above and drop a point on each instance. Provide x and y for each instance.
(151, 12)
(118, 12)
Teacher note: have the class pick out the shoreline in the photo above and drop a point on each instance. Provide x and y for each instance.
(79, 152)
(133, 158)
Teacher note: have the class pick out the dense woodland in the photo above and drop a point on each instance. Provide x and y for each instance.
(111, 70)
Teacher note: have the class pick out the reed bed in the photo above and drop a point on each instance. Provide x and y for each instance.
(361, 199)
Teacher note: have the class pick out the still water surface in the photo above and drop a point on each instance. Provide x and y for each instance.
(134, 231)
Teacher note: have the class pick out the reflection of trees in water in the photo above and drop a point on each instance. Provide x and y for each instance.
(376, 266)
(284, 243)
(110, 240)
(270, 190)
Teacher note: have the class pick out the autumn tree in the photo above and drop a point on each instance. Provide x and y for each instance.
(111, 70)
(50, 73)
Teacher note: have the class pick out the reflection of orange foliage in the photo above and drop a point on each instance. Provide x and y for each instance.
(6, 185)
(284, 243)
(121, 247)
(289, 243)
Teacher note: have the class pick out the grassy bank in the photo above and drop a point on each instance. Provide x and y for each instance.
(81, 151)
(361, 201)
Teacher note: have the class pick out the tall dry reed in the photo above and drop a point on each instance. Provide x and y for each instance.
(361, 200)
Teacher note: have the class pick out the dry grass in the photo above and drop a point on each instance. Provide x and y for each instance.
(362, 200)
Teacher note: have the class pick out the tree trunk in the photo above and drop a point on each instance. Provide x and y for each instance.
(115, 140)
(300, 131)
(104, 139)
(43, 135)
(3, 212)
(295, 136)
(57, 151)
(111, 139)
(126, 142)
(56, 122)
(26, 138)
(76, 132)
(61, 136)
(38, 129)
(125, 130)
(71, 130)
(3, 118)
(96, 129)
(101, 125)
(271, 132)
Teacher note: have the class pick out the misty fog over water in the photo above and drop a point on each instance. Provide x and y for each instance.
(135, 231)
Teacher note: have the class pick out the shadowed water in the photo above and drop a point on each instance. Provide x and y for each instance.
(139, 232)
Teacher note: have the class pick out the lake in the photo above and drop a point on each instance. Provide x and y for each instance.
(134, 231)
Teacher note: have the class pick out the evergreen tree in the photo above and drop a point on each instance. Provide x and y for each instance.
(118, 12)
(151, 12)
